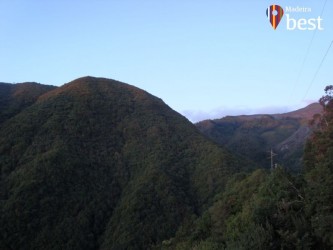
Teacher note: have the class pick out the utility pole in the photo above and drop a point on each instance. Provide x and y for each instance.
(272, 154)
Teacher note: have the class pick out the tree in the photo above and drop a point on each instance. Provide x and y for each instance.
(319, 175)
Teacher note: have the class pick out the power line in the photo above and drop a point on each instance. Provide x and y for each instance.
(302, 65)
(306, 56)
(315, 75)
(322, 10)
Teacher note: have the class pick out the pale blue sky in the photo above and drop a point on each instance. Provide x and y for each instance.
(204, 58)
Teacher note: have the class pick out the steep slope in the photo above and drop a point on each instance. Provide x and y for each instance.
(274, 209)
(99, 164)
(254, 135)
(16, 97)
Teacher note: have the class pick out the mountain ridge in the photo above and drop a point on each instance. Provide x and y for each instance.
(16, 97)
(109, 158)
(255, 135)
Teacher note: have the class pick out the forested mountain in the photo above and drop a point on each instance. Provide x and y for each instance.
(255, 135)
(274, 210)
(99, 164)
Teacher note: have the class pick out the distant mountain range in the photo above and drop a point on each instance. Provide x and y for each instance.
(254, 136)
(100, 164)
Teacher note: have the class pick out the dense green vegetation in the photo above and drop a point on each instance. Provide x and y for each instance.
(273, 210)
(98, 164)
(255, 135)
(16, 97)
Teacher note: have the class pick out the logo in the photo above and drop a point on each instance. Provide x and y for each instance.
(274, 14)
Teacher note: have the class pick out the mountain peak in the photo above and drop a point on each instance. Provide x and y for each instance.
(89, 86)
(94, 163)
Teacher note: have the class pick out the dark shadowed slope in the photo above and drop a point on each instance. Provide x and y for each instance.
(99, 164)
(254, 135)
(16, 97)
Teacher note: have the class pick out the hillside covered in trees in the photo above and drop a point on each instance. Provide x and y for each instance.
(274, 210)
(99, 164)
(255, 135)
